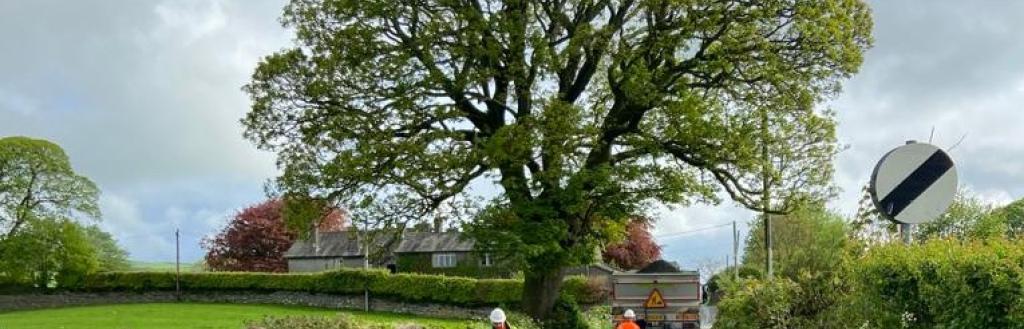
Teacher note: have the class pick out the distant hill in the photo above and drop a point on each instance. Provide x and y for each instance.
(140, 266)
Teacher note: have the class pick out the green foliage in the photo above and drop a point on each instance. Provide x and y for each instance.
(46, 253)
(41, 197)
(37, 183)
(941, 284)
(809, 240)
(812, 249)
(582, 112)
(598, 317)
(108, 253)
(566, 315)
(404, 287)
(717, 283)
(756, 303)
(1012, 216)
(968, 217)
(583, 290)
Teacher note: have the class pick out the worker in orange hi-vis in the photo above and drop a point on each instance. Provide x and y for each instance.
(629, 322)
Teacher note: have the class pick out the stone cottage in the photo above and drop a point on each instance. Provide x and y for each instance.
(448, 253)
(412, 252)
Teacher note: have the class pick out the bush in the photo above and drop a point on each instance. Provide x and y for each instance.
(598, 317)
(943, 283)
(938, 284)
(460, 291)
(584, 290)
(566, 315)
(755, 303)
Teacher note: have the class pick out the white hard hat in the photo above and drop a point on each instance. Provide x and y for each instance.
(497, 316)
(629, 314)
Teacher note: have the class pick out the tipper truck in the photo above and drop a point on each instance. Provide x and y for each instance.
(665, 298)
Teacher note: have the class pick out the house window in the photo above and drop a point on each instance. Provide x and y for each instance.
(444, 260)
(487, 261)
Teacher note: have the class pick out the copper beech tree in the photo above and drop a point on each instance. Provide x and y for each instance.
(256, 238)
(637, 250)
(579, 113)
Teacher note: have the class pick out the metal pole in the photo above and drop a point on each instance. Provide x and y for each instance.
(766, 202)
(735, 252)
(366, 267)
(768, 246)
(177, 264)
(906, 230)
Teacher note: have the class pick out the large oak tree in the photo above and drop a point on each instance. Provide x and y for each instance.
(582, 112)
(37, 183)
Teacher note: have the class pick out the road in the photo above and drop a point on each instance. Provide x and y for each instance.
(707, 315)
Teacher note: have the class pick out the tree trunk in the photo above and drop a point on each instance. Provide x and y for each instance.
(541, 289)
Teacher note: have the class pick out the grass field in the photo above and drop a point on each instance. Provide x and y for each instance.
(187, 315)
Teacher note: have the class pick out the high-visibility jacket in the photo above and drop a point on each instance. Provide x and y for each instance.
(628, 324)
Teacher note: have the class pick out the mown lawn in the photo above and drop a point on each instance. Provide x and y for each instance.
(187, 315)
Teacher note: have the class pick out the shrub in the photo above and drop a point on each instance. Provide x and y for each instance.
(938, 284)
(598, 317)
(566, 315)
(584, 290)
(942, 283)
(755, 303)
(460, 291)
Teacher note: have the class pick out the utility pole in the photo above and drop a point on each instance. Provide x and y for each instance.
(366, 265)
(177, 264)
(766, 202)
(735, 252)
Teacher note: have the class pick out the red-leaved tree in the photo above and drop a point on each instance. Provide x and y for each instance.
(256, 239)
(637, 251)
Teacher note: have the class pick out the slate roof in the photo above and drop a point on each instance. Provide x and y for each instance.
(335, 244)
(346, 244)
(434, 242)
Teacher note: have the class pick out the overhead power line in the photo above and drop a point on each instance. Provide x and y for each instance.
(702, 229)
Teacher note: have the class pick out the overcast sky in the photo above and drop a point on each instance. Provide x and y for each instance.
(145, 98)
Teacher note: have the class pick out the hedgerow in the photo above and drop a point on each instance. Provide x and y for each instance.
(937, 284)
(452, 290)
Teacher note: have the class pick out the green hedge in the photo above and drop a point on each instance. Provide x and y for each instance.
(937, 284)
(941, 284)
(452, 290)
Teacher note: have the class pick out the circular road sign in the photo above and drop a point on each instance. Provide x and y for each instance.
(914, 183)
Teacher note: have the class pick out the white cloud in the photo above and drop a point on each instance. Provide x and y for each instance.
(145, 97)
(190, 20)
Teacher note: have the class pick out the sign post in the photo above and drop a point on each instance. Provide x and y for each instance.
(913, 184)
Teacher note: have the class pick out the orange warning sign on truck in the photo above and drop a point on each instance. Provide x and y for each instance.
(655, 300)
